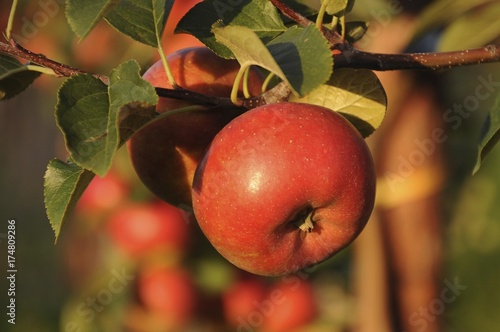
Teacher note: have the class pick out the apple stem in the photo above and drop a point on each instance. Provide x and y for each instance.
(305, 222)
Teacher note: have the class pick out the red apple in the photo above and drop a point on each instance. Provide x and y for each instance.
(242, 300)
(139, 228)
(294, 306)
(166, 152)
(103, 194)
(169, 293)
(284, 187)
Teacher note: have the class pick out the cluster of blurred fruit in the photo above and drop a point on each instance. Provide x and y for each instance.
(136, 263)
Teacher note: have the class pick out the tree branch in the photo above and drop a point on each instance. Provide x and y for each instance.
(353, 58)
(350, 57)
(278, 93)
(333, 37)
(60, 69)
(291, 14)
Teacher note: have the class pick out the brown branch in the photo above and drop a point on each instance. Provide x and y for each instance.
(278, 93)
(333, 37)
(353, 58)
(60, 69)
(291, 14)
(350, 57)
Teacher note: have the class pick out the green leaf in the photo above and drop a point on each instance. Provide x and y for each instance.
(82, 116)
(14, 77)
(96, 119)
(473, 29)
(259, 16)
(64, 184)
(490, 134)
(142, 20)
(83, 15)
(300, 57)
(338, 7)
(132, 104)
(304, 56)
(248, 48)
(356, 94)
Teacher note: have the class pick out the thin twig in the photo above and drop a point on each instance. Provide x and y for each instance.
(291, 14)
(353, 58)
(333, 37)
(350, 57)
(60, 69)
(278, 93)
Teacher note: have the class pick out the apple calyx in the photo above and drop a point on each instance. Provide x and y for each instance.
(303, 220)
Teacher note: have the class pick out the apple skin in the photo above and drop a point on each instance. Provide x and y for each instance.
(268, 168)
(241, 300)
(169, 293)
(139, 228)
(294, 306)
(166, 152)
(103, 194)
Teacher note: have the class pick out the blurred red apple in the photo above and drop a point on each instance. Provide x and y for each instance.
(142, 227)
(103, 194)
(170, 293)
(284, 187)
(166, 152)
(242, 300)
(294, 306)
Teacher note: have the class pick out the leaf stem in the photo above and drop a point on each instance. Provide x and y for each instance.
(166, 66)
(10, 22)
(321, 15)
(267, 81)
(342, 25)
(43, 70)
(236, 85)
(335, 21)
(246, 92)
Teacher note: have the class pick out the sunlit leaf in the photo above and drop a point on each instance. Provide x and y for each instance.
(300, 56)
(259, 16)
(304, 56)
(338, 7)
(357, 94)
